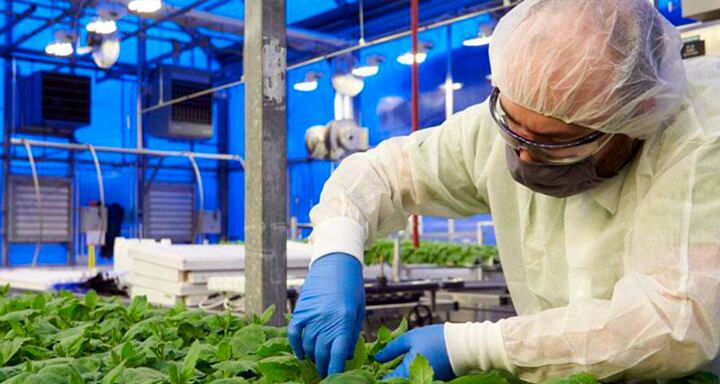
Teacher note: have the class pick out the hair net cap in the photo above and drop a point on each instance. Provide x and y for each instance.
(614, 66)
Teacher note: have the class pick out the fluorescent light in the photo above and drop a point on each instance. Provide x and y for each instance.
(366, 70)
(454, 87)
(477, 41)
(306, 86)
(145, 6)
(407, 58)
(102, 27)
(56, 48)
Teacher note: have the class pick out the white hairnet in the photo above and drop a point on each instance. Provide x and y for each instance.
(609, 65)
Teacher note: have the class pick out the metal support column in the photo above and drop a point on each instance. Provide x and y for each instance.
(9, 103)
(415, 95)
(265, 70)
(223, 126)
(140, 132)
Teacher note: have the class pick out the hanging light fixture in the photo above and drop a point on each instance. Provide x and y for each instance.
(62, 45)
(107, 14)
(102, 26)
(483, 37)
(454, 86)
(309, 84)
(408, 58)
(371, 68)
(145, 6)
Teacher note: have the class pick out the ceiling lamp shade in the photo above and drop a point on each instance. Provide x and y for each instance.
(145, 6)
(309, 84)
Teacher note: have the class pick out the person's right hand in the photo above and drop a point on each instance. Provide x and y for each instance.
(329, 314)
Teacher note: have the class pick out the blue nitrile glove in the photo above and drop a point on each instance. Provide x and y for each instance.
(329, 314)
(427, 341)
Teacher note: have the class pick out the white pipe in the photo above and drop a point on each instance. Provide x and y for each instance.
(201, 189)
(98, 172)
(148, 152)
(38, 201)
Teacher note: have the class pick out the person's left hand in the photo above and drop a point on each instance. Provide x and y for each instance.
(427, 341)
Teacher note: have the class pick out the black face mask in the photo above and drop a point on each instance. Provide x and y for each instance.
(554, 180)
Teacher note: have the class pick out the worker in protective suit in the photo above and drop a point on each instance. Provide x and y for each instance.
(598, 156)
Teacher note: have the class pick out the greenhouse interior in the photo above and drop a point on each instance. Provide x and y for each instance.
(360, 191)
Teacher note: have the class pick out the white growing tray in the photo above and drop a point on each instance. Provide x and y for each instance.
(169, 287)
(203, 257)
(161, 272)
(165, 299)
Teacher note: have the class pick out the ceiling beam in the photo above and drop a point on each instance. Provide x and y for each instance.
(166, 17)
(16, 19)
(57, 19)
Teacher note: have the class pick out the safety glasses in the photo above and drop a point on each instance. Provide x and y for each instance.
(552, 154)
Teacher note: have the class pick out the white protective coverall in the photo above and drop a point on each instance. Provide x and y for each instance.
(622, 281)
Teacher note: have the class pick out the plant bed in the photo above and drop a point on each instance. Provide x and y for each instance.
(435, 253)
(63, 339)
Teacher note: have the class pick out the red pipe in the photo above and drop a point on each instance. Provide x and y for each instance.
(415, 95)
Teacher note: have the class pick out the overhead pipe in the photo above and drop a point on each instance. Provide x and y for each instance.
(132, 151)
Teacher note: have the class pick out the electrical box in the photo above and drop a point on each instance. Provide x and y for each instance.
(210, 222)
(703, 10)
(188, 119)
(54, 104)
(93, 219)
(93, 222)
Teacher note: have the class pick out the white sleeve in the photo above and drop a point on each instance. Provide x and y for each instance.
(436, 171)
(663, 319)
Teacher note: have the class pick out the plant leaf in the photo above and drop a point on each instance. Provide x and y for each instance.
(421, 371)
(112, 376)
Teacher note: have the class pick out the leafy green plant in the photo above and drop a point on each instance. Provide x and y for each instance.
(63, 339)
(437, 253)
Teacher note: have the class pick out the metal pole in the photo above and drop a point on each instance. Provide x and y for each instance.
(449, 104)
(223, 113)
(9, 106)
(340, 52)
(140, 163)
(265, 69)
(415, 96)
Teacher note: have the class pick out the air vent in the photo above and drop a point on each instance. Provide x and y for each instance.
(169, 212)
(54, 103)
(189, 119)
(55, 195)
(66, 98)
(197, 110)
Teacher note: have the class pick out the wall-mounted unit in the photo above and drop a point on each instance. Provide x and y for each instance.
(169, 212)
(24, 224)
(189, 119)
(53, 103)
